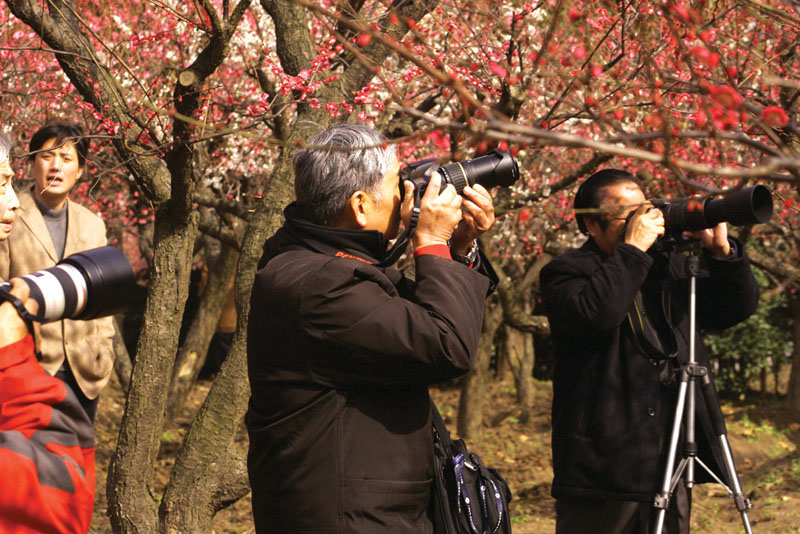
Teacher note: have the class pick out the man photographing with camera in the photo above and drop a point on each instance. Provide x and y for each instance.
(46, 438)
(342, 347)
(618, 308)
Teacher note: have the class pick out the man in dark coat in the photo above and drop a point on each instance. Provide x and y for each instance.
(342, 347)
(615, 390)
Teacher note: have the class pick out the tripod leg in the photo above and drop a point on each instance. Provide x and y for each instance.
(662, 497)
(714, 411)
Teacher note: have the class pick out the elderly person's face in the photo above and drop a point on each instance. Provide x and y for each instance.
(627, 196)
(384, 214)
(8, 199)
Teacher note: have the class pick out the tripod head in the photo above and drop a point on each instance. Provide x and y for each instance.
(679, 243)
(691, 247)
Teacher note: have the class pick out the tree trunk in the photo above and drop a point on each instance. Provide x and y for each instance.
(793, 392)
(473, 390)
(192, 353)
(122, 360)
(193, 495)
(132, 504)
(521, 359)
(504, 371)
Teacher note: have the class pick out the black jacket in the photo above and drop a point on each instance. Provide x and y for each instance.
(612, 403)
(340, 354)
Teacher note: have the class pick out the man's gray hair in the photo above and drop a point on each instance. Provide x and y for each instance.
(357, 158)
(5, 146)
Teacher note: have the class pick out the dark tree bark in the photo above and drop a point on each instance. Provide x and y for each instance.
(132, 505)
(473, 388)
(130, 495)
(192, 353)
(122, 361)
(521, 357)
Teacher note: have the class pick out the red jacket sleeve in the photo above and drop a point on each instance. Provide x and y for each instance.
(47, 477)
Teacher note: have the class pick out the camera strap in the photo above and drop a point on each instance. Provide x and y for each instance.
(23, 312)
(401, 244)
(646, 332)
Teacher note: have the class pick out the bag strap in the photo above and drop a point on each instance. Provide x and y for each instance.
(439, 426)
(645, 331)
(460, 462)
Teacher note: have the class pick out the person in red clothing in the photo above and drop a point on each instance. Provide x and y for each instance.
(47, 477)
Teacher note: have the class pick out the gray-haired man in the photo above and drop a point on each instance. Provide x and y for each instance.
(342, 348)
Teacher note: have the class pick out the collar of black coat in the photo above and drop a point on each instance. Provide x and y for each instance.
(368, 246)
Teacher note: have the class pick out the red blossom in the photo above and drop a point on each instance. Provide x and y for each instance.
(681, 12)
(498, 70)
(700, 118)
(775, 116)
(575, 14)
(704, 55)
(726, 96)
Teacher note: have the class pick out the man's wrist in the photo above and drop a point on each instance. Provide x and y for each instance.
(469, 257)
(423, 240)
(726, 253)
(439, 249)
(722, 252)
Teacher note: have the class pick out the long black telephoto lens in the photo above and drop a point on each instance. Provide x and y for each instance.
(751, 205)
(492, 169)
(87, 285)
(497, 168)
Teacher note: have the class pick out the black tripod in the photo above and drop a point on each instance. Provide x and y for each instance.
(690, 373)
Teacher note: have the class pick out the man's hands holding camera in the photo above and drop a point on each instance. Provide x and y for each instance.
(478, 216)
(714, 239)
(645, 226)
(448, 217)
(14, 328)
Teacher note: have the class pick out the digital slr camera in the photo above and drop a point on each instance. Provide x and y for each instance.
(490, 170)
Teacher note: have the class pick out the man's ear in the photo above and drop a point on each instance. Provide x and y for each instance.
(592, 226)
(359, 206)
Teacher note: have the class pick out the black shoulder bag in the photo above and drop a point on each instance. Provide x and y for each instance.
(468, 497)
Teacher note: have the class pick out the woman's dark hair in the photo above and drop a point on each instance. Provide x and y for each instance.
(591, 194)
(61, 131)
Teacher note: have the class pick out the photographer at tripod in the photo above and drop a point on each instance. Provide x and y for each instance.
(620, 328)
